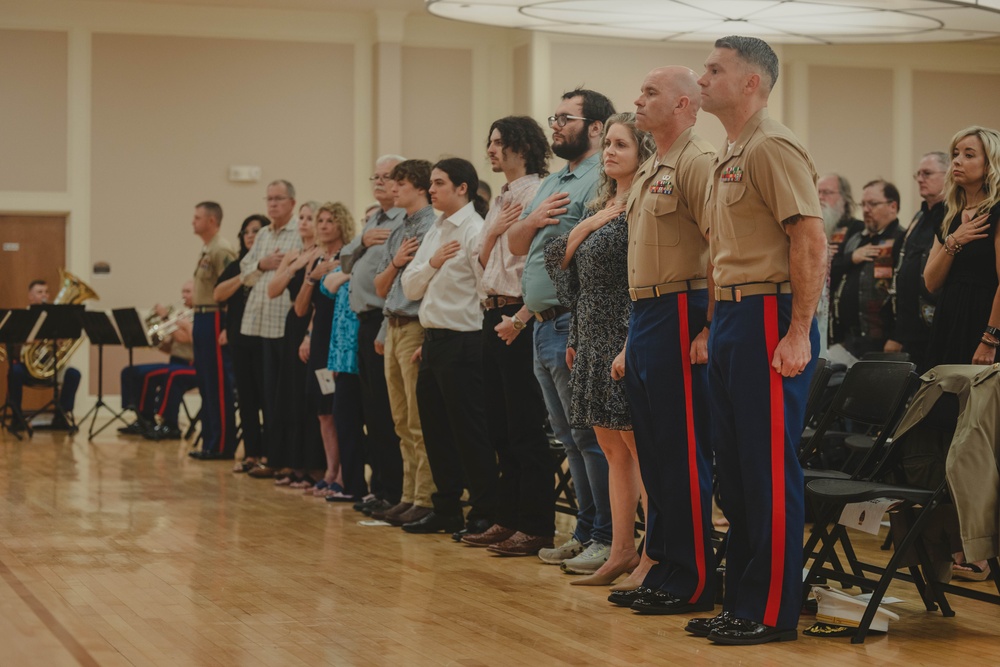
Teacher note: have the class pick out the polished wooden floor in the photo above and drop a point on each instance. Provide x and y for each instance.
(121, 552)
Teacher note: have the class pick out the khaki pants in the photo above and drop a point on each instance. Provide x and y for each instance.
(401, 378)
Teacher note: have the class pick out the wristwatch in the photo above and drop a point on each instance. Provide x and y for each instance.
(517, 323)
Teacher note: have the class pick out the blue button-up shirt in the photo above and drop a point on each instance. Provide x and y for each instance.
(581, 183)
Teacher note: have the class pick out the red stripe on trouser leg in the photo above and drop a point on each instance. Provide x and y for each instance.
(694, 482)
(220, 370)
(771, 338)
(166, 389)
(145, 385)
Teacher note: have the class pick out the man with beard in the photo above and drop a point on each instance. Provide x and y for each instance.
(912, 304)
(862, 314)
(559, 204)
(840, 224)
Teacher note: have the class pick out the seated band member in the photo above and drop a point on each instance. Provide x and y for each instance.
(18, 375)
(141, 385)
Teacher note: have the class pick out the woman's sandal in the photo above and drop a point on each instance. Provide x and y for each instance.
(304, 482)
(970, 571)
(316, 489)
(246, 465)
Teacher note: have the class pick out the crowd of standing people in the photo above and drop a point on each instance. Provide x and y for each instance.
(651, 287)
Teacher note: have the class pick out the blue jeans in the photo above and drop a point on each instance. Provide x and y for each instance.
(587, 464)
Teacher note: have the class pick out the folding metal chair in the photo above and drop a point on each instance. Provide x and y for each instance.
(912, 472)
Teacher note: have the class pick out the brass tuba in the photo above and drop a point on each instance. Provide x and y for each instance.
(37, 357)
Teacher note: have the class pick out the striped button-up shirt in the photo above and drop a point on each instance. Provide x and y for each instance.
(502, 275)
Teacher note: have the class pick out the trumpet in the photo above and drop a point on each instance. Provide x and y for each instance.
(161, 328)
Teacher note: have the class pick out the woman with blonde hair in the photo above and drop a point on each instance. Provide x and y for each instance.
(589, 268)
(963, 266)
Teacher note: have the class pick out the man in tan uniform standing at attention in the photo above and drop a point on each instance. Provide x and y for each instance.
(768, 250)
(664, 358)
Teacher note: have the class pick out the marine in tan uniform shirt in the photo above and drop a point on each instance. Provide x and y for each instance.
(768, 249)
(667, 270)
(211, 359)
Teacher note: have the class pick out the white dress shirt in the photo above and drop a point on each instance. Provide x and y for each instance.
(450, 296)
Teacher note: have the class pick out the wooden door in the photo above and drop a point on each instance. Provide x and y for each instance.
(31, 246)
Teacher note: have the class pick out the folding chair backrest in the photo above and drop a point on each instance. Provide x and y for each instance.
(817, 387)
(871, 391)
(872, 394)
(886, 356)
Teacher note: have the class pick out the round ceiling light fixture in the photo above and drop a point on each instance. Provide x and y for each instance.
(779, 21)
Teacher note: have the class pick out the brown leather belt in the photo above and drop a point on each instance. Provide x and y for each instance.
(498, 301)
(551, 313)
(400, 320)
(737, 292)
(205, 309)
(638, 293)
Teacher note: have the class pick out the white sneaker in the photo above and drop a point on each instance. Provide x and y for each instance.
(593, 557)
(556, 556)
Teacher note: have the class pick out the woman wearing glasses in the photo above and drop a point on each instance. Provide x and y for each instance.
(589, 268)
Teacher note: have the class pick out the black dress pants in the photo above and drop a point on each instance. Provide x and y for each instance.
(450, 399)
(382, 443)
(515, 417)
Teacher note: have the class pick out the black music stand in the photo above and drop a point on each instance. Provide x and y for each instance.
(101, 331)
(133, 335)
(62, 322)
(17, 328)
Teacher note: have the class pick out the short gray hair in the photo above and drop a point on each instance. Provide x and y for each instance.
(389, 158)
(940, 157)
(755, 52)
(289, 188)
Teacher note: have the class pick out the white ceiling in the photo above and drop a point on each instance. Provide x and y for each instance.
(416, 6)
(782, 21)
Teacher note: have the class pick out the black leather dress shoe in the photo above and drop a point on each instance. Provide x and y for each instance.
(135, 428)
(702, 627)
(211, 456)
(664, 603)
(163, 432)
(435, 523)
(626, 598)
(738, 631)
(473, 527)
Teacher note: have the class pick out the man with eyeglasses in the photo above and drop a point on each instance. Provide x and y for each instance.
(263, 317)
(912, 303)
(862, 313)
(560, 203)
(361, 259)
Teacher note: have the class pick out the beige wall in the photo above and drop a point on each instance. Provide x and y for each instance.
(128, 113)
(437, 103)
(170, 114)
(33, 110)
(849, 111)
